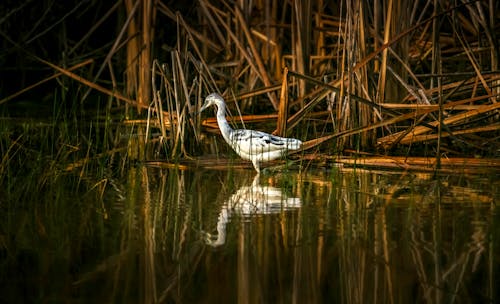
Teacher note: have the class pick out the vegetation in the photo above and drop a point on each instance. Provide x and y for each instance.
(410, 78)
(90, 87)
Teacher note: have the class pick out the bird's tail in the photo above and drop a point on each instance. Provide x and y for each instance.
(293, 144)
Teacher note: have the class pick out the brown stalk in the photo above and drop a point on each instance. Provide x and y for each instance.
(301, 30)
(474, 64)
(463, 85)
(76, 66)
(170, 14)
(90, 83)
(493, 127)
(283, 108)
(147, 35)
(256, 56)
(128, 23)
(95, 27)
(312, 143)
(257, 92)
(206, 71)
(422, 129)
(388, 139)
(157, 103)
(234, 37)
(131, 73)
(398, 37)
(453, 119)
(211, 20)
(383, 68)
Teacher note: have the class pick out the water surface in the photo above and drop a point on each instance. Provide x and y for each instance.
(215, 236)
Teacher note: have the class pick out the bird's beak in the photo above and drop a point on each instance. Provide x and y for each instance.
(203, 107)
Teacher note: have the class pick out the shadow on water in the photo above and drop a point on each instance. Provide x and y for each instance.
(164, 235)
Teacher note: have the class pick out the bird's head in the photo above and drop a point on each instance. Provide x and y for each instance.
(212, 99)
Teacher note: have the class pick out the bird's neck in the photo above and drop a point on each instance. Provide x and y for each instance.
(224, 126)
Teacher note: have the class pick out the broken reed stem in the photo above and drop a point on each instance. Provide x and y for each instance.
(417, 130)
(256, 56)
(158, 105)
(146, 22)
(114, 48)
(436, 69)
(383, 68)
(283, 108)
(131, 71)
(26, 89)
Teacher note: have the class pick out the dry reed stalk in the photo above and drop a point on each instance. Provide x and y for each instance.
(418, 130)
(171, 114)
(175, 104)
(493, 127)
(146, 23)
(366, 114)
(213, 24)
(251, 52)
(257, 92)
(436, 68)
(162, 8)
(364, 61)
(301, 36)
(283, 108)
(274, 53)
(494, 55)
(262, 72)
(315, 97)
(90, 84)
(320, 93)
(16, 94)
(474, 64)
(422, 162)
(464, 86)
(133, 48)
(204, 70)
(388, 140)
(383, 66)
(413, 106)
(375, 32)
(94, 27)
(233, 36)
(320, 36)
(114, 49)
(158, 105)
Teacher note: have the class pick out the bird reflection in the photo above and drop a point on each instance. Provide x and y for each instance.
(248, 201)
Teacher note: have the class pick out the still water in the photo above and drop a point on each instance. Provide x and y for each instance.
(161, 235)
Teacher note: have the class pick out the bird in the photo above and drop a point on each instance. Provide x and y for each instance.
(255, 146)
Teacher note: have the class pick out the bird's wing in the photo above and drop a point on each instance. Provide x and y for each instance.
(253, 142)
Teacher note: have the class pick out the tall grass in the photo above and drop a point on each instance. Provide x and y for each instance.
(376, 71)
(351, 65)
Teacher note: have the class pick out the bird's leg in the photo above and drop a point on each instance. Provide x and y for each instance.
(256, 165)
(256, 180)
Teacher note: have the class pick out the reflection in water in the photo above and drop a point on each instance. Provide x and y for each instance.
(357, 237)
(247, 201)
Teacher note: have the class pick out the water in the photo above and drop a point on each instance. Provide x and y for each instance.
(214, 236)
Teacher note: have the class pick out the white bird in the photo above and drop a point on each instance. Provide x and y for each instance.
(251, 145)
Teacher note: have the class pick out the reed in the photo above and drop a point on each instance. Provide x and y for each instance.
(332, 68)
